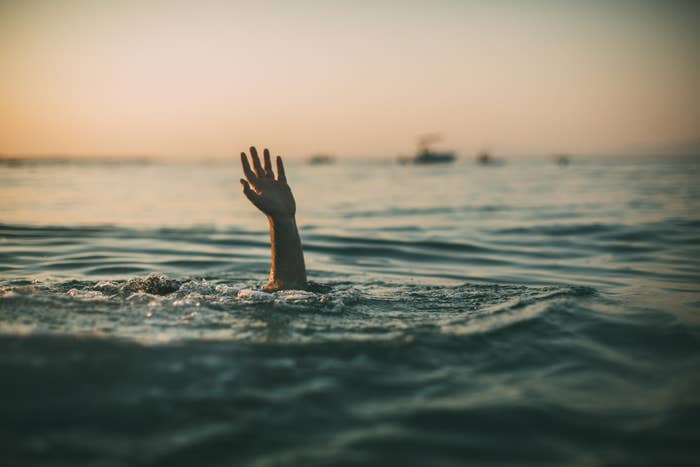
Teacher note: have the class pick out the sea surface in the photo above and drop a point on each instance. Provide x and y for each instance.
(523, 314)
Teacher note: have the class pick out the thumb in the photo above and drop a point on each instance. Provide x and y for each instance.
(249, 193)
(247, 190)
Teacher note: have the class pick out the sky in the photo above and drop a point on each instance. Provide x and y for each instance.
(206, 79)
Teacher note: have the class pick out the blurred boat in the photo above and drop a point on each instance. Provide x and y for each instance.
(562, 159)
(425, 155)
(485, 158)
(321, 159)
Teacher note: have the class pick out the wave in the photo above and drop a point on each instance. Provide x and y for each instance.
(394, 374)
(597, 255)
(156, 305)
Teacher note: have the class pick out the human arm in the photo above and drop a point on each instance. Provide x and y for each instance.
(274, 198)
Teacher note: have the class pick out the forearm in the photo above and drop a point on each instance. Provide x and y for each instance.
(287, 270)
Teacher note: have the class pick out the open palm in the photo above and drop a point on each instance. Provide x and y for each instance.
(272, 196)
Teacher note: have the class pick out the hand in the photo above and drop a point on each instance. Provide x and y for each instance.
(272, 197)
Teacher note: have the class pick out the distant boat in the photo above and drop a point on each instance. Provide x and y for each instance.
(429, 157)
(485, 158)
(321, 159)
(562, 159)
(425, 155)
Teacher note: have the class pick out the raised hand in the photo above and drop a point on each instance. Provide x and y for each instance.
(272, 196)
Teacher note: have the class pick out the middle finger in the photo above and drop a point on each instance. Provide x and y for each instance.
(256, 162)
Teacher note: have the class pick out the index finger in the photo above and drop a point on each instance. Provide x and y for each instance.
(246, 168)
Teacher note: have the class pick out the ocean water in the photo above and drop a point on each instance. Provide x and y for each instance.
(525, 314)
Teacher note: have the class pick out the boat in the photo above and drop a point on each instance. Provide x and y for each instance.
(562, 159)
(429, 157)
(425, 155)
(485, 158)
(321, 159)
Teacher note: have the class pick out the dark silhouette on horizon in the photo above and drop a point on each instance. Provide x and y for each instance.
(425, 155)
(321, 159)
(486, 158)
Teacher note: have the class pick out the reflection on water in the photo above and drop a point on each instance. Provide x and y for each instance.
(458, 310)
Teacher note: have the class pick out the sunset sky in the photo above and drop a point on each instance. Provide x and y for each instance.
(209, 78)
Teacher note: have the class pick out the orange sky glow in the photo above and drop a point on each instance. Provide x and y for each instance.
(355, 79)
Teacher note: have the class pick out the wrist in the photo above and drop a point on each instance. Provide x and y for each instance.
(282, 220)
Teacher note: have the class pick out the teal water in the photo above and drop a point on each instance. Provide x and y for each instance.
(526, 314)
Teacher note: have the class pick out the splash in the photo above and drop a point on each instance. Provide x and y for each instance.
(157, 308)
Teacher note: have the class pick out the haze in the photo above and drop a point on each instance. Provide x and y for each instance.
(354, 79)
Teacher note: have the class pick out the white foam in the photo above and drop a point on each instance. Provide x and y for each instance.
(250, 295)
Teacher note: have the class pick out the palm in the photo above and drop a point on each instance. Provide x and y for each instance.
(272, 196)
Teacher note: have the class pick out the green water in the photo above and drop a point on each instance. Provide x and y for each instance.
(527, 314)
